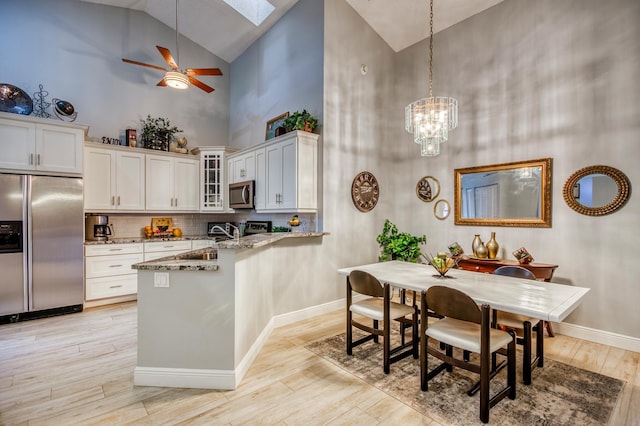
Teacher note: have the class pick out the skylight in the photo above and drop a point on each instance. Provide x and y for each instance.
(255, 11)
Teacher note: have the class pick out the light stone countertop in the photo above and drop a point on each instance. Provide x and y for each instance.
(193, 260)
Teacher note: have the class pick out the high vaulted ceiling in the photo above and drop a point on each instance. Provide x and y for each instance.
(217, 27)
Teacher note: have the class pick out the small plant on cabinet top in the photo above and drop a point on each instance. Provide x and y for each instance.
(300, 121)
(398, 245)
(156, 133)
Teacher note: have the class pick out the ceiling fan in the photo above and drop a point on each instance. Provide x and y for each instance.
(176, 77)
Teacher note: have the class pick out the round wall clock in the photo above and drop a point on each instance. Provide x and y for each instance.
(365, 191)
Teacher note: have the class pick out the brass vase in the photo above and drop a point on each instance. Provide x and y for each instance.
(475, 244)
(481, 251)
(492, 246)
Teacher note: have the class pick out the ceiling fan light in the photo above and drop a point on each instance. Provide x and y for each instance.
(176, 79)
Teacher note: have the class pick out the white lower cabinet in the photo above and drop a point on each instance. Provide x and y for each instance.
(108, 270)
(157, 249)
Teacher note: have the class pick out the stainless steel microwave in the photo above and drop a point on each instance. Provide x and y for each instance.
(241, 195)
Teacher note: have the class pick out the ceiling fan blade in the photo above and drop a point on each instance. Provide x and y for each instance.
(143, 64)
(162, 83)
(166, 54)
(201, 85)
(203, 71)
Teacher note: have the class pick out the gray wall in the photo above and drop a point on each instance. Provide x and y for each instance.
(280, 72)
(534, 80)
(74, 49)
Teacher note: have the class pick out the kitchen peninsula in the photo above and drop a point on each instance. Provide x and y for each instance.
(201, 323)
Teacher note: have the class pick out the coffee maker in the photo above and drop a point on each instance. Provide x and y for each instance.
(97, 228)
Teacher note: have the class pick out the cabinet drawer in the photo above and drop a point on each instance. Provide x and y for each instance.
(167, 246)
(111, 249)
(105, 266)
(99, 288)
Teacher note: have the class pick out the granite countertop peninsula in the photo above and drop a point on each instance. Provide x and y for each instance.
(194, 260)
(132, 240)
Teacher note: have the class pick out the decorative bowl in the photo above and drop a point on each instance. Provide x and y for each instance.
(441, 264)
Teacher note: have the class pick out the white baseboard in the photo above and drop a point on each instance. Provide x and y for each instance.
(306, 313)
(598, 336)
(201, 378)
(184, 378)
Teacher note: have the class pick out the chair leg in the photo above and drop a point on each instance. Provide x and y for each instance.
(511, 368)
(526, 354)
(375, 336)
(449, 352)
(349, 333)
(485, 367)
(414, 333)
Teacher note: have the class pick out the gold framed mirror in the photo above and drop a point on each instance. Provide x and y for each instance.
(596, 190)
(507, 194)
(441, 209)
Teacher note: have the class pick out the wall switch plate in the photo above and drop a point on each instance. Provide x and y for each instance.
(161, 279)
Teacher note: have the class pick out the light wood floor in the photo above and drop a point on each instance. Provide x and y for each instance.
(78, 369)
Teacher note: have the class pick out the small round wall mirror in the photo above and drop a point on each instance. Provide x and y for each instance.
(428, 189)
(441, 209)
(596, 190)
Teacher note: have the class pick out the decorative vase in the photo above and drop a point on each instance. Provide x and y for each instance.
(493, 246)
(481, 251)
(475, 244)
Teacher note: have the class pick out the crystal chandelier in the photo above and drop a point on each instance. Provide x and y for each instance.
(430, 119)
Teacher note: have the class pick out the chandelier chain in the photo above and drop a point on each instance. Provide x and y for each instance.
(431, 50)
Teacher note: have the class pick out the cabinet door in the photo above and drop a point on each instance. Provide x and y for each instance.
(242, 167)
(59, 149)
(130, 179)
(212, 181)
(289, 196)
(17, 145)
(273, 157)
(99, 179)
(261, 180)
(186, 186)
(159, 183)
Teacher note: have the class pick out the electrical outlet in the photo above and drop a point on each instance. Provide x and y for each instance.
(161, 279)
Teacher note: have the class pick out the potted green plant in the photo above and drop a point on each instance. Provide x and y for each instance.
(156, 133)
(300, 121)
(396, 245)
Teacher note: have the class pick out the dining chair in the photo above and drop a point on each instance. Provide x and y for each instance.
(465, 326)
(382, 310)
(523, 326)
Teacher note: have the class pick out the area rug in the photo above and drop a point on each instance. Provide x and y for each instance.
(559, 395)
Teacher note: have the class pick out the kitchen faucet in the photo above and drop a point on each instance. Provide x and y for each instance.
(236, 231)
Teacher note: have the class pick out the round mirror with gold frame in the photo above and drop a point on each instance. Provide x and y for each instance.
(441, 209)
(596, 190)
(428, 189)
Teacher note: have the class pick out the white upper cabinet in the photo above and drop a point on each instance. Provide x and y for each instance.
(242, 167)
(291, 173)
(214, 179)
(113, 179)
(172, 183)
(34, 145)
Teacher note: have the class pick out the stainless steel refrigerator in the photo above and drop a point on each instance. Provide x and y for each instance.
(41, 246)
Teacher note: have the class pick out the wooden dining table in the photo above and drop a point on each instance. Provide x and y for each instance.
(542, 300)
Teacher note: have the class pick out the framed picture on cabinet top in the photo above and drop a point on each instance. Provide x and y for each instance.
(275, 126)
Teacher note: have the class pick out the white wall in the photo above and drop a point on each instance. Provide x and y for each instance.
(74, 49)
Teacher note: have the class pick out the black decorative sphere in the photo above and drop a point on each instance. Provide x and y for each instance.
(64, 107)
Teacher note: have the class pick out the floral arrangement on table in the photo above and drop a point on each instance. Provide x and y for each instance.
(156, 133)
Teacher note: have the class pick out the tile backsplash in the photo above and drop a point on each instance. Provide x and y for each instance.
(132, 225)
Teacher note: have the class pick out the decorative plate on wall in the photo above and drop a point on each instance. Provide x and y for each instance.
(428, 189)
(365, 191)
